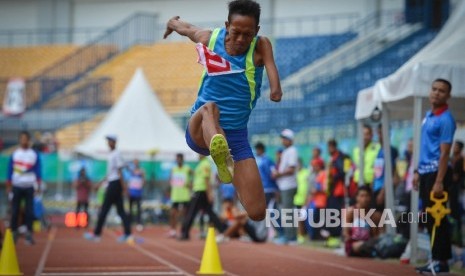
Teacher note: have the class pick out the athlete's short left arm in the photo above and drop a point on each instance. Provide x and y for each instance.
(266, 51)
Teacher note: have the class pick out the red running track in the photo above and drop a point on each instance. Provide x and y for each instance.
(64, 252)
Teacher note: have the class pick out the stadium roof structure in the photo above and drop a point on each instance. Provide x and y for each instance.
(404, 95)
(144, 129)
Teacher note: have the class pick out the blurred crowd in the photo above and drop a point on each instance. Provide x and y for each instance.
(331, 182)
(45, 142)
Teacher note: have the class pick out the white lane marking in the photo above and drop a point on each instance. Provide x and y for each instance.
(180, 253)
(126, 273)
(298, 258)
(156, 257)
(43, 258)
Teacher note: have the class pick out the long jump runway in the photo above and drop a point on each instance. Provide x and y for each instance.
(64, 252)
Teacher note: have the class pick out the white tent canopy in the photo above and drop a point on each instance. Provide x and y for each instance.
(366, 103)
(141, 125)
(404, 94)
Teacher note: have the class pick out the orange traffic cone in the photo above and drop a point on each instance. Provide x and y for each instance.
(211, 263)
(8, 260)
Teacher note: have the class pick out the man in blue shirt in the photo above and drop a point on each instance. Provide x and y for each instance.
(265, 168)
(434, 173)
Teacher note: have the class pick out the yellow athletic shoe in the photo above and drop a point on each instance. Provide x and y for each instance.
(219, 150)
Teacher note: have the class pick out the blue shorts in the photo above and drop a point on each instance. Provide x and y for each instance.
(237, 141)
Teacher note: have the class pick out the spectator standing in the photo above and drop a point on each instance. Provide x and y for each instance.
(370, 153)
(83, 187)
(113, 194)
(23, 175)
(286, 178)
(201, 199)
(135, 191)
(266, 166)
(180, 182)
(433, 173)
(378, 184)
(300, 198)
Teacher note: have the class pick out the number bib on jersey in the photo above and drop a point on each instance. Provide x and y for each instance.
(178, 179)
(215, 64)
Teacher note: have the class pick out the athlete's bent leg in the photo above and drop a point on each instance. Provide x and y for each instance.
(204, 124)
(249, 188)
(205, 132)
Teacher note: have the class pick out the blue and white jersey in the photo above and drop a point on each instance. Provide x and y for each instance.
(236, 92)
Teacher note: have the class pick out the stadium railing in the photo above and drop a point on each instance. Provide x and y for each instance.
(28, 37)
(137, 29)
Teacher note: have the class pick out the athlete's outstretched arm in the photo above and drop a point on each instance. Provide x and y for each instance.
(266, 51)
(194, 33)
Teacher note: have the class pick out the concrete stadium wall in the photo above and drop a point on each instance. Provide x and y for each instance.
(34, 14)
(18, 14)
(98, 12)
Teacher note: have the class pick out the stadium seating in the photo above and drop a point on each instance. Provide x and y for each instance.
(46, 68)
(170, 68)
(72, 68)
(175, 90)
(71, 135)
(173, 73)
(294, 53)
(174, 81)
(29, 61)
(333, 103)
(114, 41)
(86, 93)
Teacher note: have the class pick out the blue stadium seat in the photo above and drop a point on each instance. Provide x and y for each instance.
(333, 103)
(295, 53)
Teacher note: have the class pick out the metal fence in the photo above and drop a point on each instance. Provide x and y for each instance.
(22, 37)
(325, 105)
(137, 29)
(276, 27)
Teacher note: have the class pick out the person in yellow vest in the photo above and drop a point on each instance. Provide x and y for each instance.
(318, 197)
(180, 182)
(300, 198)
(202, 198)
(370, 153)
